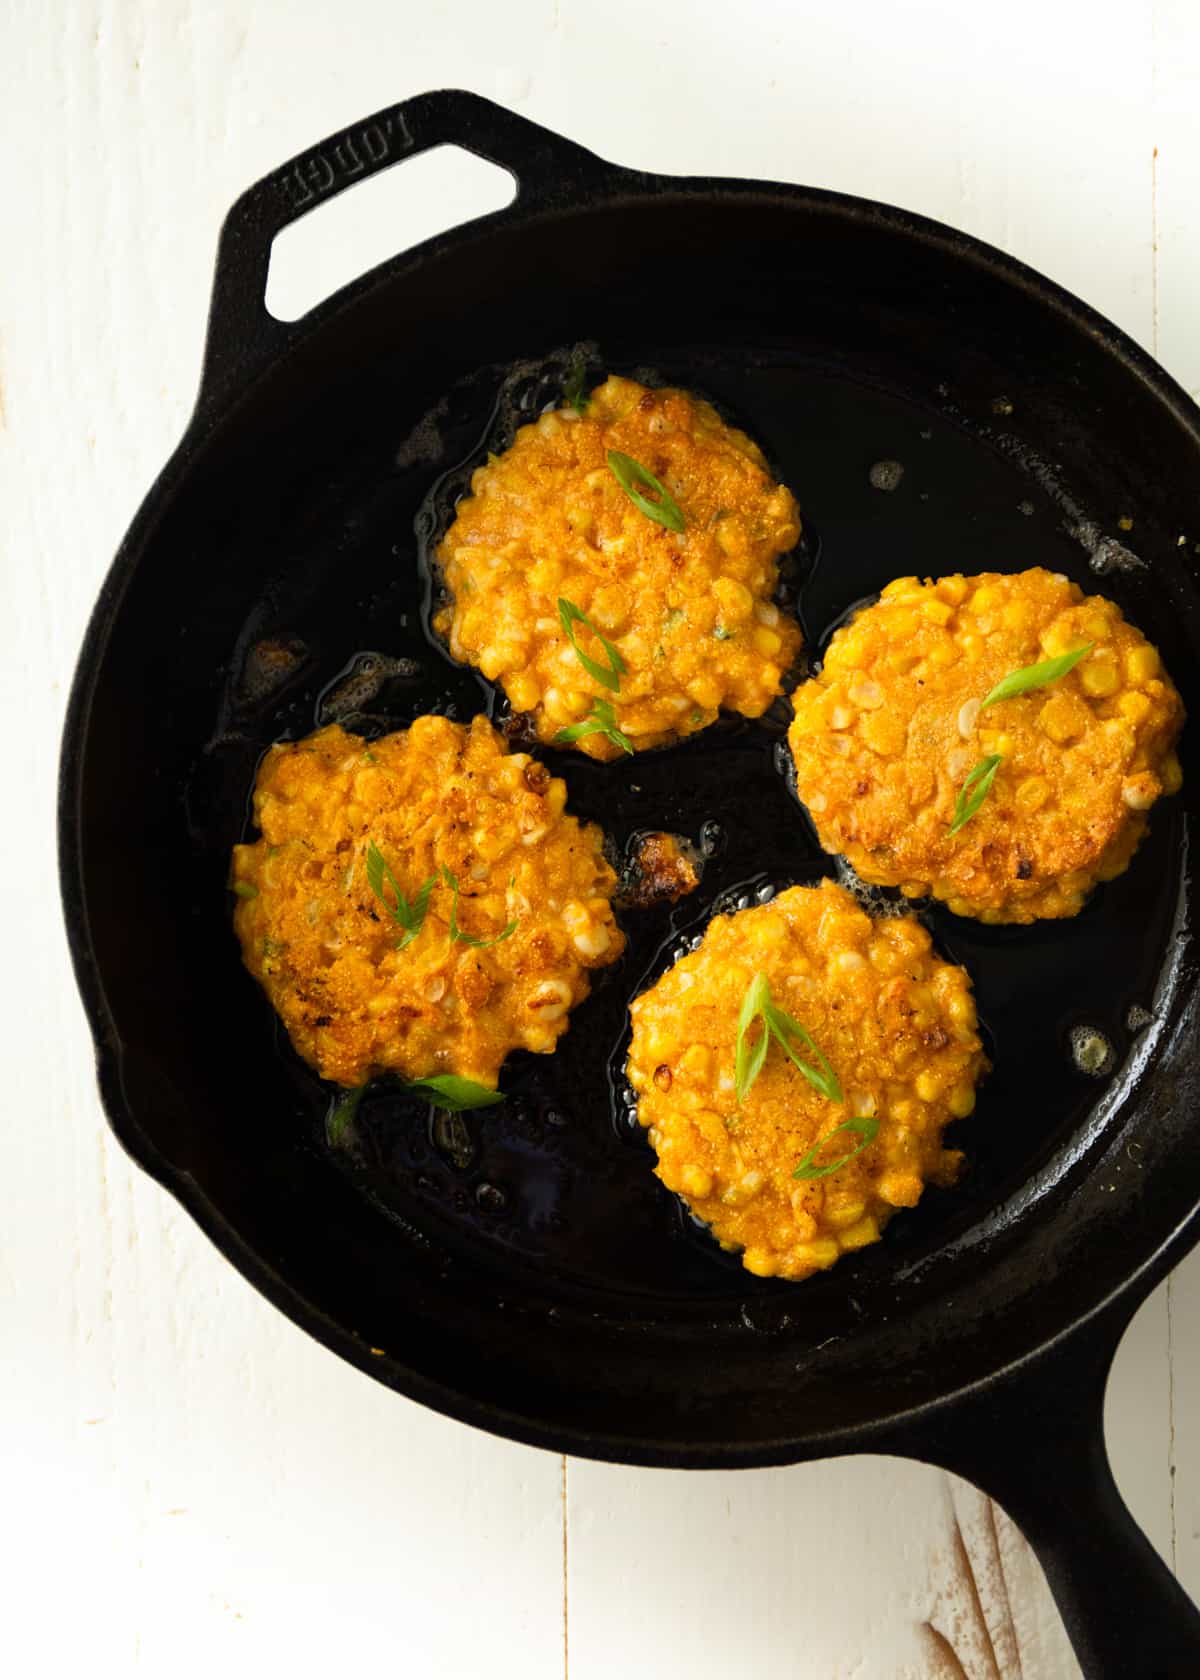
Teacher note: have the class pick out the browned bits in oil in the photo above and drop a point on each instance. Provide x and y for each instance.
(663, 870)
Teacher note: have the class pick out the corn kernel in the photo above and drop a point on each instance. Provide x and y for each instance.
(943, 653)
(694, 1181)
(961, 1101)
(1017, 615)
(1032, 794)
(766, 641)
(1056, 638)
(1059, 719)
(609, 608)
(1142, 663)
(736, 601)
(928, 1085)
(985, 599)
(1099, 678)
(849, 1213)
(696, 1061)
(858, 1236)
(1135, 707)
(953, 589)
(866, 694)
(523, 691)
(900, 1189)
(760, 1262)
(936, 612)
(1140, 792)
(822, 1253)
(1172, 775)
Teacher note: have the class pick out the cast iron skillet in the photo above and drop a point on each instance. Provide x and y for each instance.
(523, 1270)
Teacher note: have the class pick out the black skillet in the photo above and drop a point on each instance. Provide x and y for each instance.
(521, 1269)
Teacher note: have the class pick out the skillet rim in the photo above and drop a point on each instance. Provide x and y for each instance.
(612, 187)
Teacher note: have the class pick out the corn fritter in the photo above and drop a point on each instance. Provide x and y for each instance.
(689, 613)
(896, 1024)
(509, 897)
(887, 735)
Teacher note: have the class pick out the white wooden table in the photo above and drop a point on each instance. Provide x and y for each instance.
(191, 1486)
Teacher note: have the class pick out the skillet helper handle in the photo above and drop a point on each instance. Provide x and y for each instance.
(1035, 1444)
(242, 337)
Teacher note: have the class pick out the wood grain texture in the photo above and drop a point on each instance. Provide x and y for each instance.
(220, 1493)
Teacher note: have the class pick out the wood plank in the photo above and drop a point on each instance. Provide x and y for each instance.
(222, 1494)
(1137, 1422)
(1184, 1304)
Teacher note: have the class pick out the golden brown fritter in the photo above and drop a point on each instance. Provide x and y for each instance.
(886, 736)
(440, 804)
(896, 1025)
(689, 613)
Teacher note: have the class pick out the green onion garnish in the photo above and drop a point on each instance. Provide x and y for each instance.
(602, 721)
(339, 1122)
(245, 889)
(777, 1024)
(573, 391)
(1035, 676)
(411, 917)
(448, 1091)
(629, 474)
(610, 674)
(981, 779)
(457, 936)
(865, 1125)
(748, 1063)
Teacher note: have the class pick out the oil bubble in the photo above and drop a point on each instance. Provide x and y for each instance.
(1091, 1051)
(886, 475)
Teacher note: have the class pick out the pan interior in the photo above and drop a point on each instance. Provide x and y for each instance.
(286, 585)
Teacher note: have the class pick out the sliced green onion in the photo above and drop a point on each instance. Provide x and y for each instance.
(457, 936)
(629, 474)
(981, 779)
(602, 721)
(864, 1124)
(748, 1062)
(339, 1122)
(822, 1078)
(610, 674)
(1035, 676)
(448, 1091)
(409, 916)
(777, 1024)
(573, 391)
(245, 889)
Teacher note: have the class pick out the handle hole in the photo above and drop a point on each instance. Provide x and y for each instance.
(382, 215)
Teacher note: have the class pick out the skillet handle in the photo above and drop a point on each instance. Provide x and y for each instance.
(242, 337)
(1035, 1443)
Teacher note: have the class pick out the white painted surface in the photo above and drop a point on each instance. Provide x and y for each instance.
(190, 1485)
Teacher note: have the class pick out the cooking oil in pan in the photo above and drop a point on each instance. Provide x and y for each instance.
(560, 1175)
